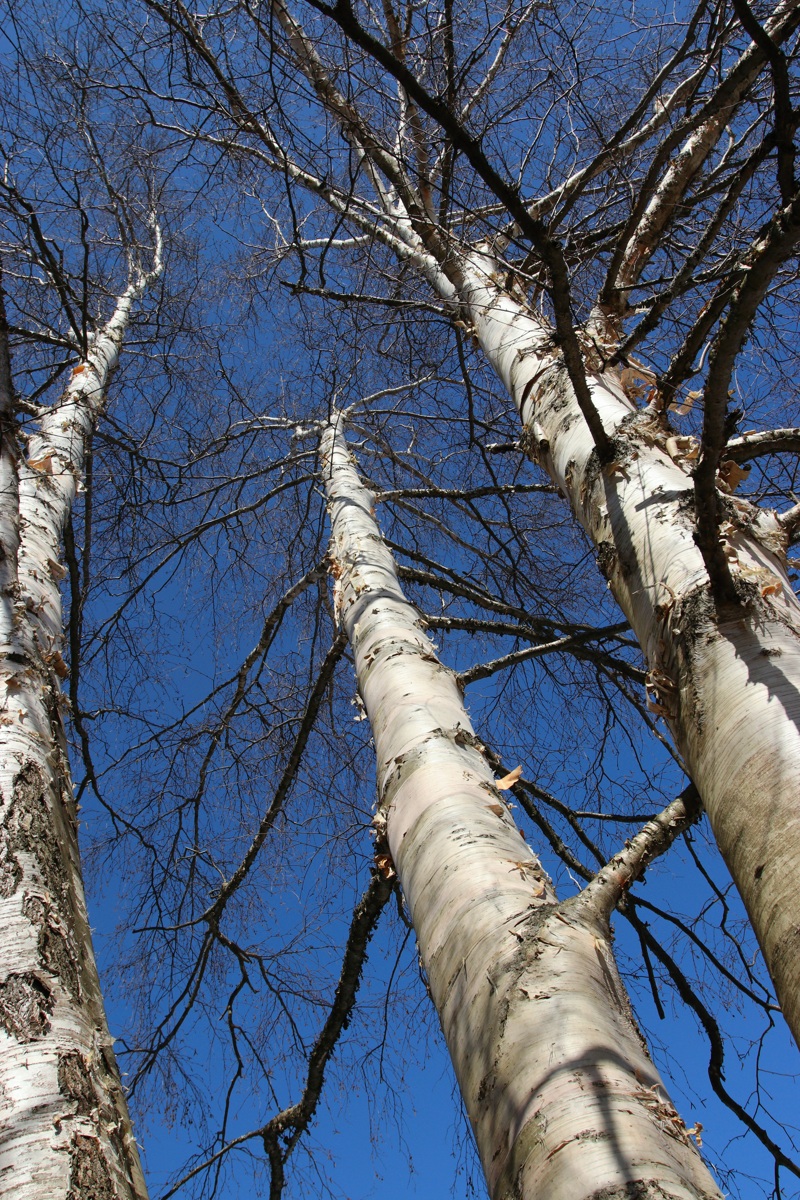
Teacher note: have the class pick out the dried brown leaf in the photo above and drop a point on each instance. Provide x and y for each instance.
(509, 780)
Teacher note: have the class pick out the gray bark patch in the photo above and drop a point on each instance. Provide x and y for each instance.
(26, 1003)
(29, 827)
(56, 950)
(90, 1175)
(75, 1082)
(606, 558)
(10, 870)
(643, 1189)
(639, 1189)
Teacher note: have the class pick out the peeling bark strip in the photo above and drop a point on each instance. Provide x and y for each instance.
(563, 1098)
(65, 1133)
(729, 689)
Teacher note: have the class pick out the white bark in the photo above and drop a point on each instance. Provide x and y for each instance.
(695, 151)
(64, 1125)
(730, 690)
(563, 1098)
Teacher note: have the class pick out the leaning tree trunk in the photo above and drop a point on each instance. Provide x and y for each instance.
(562, 1096)
(64, 1124)
(728, 688)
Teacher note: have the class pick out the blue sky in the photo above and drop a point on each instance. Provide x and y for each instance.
(388, 1124)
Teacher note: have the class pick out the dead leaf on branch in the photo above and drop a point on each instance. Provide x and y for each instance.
(508, 780)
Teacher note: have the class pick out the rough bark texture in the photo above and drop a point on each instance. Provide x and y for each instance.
(562, 1096)
(64, 1125)
(728, 688)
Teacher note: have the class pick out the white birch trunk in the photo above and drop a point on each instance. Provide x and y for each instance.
(64, 1124)
(562, 1096)
(730, 690)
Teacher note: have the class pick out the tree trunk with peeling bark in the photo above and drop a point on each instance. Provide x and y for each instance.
(64, 1124)
(561, 1093)
(725, 677)
(727, 684)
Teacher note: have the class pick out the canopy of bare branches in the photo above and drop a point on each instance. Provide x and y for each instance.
(512, 289)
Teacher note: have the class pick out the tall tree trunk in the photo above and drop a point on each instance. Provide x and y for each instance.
(729, 687)
(562, 1096)
(64, 1124)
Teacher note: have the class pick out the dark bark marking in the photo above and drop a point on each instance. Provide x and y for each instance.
(56, 950)
(693, 623)
(75, 1082)
(29, 827)
(486, 1087)
(606, 558)
(26, 1003)
(90, 1175)
(639, 1189)
(10, 870)
(530, 1138)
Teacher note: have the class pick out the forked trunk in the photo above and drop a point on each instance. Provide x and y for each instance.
(729, 688)
(562, 1096)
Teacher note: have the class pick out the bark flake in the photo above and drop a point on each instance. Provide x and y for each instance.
(26, 1003)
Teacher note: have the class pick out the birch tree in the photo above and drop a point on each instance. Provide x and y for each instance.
(353, 186)
(65, 1124)
(678, 217)
(526, 989)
